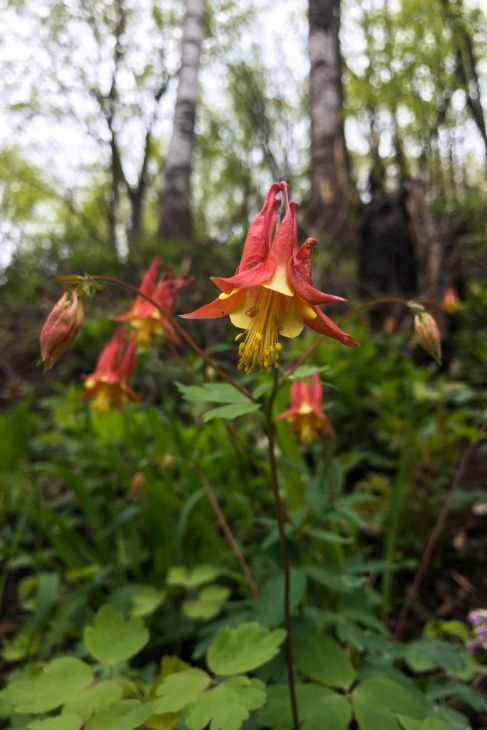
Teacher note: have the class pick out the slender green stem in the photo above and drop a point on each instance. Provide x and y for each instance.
(349, 315)
(180, 330)
(280, 518)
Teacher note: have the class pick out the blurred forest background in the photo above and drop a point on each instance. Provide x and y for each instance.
(125, 124)
(135, 128)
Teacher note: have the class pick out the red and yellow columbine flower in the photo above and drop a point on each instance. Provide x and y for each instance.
(109, 383)
(60, 328)
(306, 413)
(272, 293)
(143, 316)
(450, 303)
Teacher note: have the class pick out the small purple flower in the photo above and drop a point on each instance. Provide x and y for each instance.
(482, 634)
(478, 620)
(478, 617)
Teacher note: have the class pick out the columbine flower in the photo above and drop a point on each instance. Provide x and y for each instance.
(109, 383)
(306, 413)
(60, 328)
(143, 316)
(450, 303)
(272, 293)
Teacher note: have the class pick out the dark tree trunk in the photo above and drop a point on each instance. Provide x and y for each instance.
(329, 165)
(400, 251)
(175, 221)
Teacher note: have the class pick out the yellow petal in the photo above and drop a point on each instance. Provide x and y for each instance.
(279, 282)
(305, 310)
(290, 319)
(240, 318)
(227, 296)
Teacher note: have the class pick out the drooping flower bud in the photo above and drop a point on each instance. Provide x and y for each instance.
(60, 328)
(428, 334)
(136, 488)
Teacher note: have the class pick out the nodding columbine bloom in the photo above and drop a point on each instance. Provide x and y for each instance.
(450, 303)
(306, 412)
(108, 384)
(60, 328)
(272, 293)
(143, 316)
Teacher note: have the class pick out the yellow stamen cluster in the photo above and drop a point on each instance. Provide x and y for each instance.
(146, 328)
(261, 346)
(307, 425)
(103, 397)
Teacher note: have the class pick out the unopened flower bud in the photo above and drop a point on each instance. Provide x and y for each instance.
(167, 461)
(210, 373)
(428, 334)
(389, 325)
(60, 328)
(136, 488)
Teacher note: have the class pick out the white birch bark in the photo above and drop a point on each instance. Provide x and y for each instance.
(175, 220)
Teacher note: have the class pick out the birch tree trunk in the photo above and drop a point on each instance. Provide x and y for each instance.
(329, 165)
(175, 221)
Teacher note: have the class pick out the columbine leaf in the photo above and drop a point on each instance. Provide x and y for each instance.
(305, 371)
(124, 715)
(458, 691)
(377, 700)
(146, 601)
(431, 723)
(113, 639)
(179, 689)
(191, 578)
(63, 722)
(59, 681)
(162, 722)
(315, 704)
(333, 579)
(227, 706)
(231, 411)
(211, 393)
(207, 604)
(91, 700)
(269, 607)
(323, 659)
(243, 648)
(425, 654)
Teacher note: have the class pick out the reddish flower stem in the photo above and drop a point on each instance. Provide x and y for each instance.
(227, 531)
(356, 310)
(180, 330)
(436, 531)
